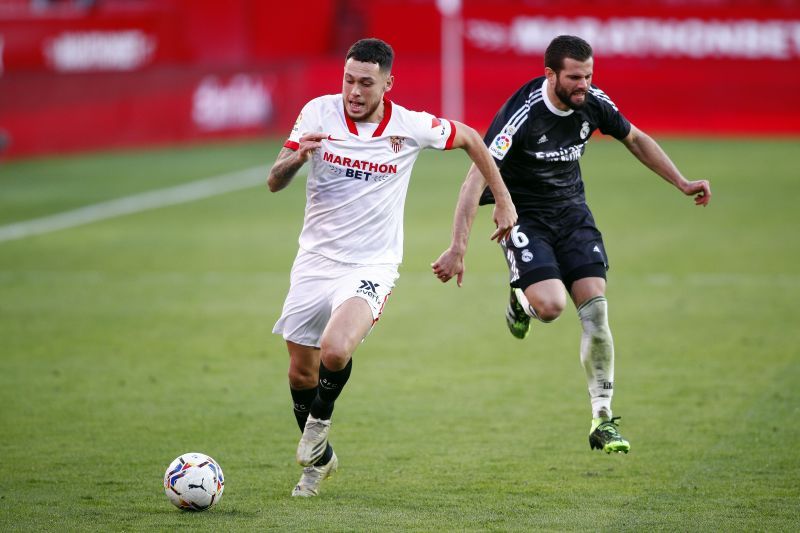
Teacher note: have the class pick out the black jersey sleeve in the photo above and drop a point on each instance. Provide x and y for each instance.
(508, 126)
(611, 121)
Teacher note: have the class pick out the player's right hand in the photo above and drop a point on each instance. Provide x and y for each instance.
(449, 264)
(700, 189)
(308, 143)
(505, 217)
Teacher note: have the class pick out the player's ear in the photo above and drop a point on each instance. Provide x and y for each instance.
(389, 84)
(550, 73)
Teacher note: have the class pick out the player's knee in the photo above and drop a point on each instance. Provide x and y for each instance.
(549, 310)
(335, 354)
(302, 378)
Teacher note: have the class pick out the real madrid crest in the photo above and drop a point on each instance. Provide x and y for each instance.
(584, 129)
(397, 142)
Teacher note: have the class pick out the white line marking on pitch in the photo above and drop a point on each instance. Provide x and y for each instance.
(188, 192)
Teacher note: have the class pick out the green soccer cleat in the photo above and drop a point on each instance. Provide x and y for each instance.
(605, 436)
(519, 323)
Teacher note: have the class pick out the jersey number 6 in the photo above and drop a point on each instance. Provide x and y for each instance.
(519, 239)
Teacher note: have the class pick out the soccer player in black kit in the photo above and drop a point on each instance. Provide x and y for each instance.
(537, 139)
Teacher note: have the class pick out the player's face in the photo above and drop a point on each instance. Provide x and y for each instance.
(363, 88)
(571, 85)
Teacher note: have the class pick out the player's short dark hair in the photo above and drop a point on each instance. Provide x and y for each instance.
(372, 51)
(566, 46)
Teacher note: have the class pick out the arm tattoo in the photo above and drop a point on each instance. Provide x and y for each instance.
(284, 168)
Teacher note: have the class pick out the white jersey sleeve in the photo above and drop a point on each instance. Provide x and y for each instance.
(308, 121)
(431, 131)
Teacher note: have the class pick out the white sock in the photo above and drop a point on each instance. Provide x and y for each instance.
(597, 354)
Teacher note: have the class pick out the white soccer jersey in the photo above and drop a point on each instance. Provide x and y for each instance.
(358, 179)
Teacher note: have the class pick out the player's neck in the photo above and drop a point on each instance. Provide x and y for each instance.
(553, 102)
(375, 117)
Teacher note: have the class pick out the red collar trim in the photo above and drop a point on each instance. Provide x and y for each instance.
(351, 126)
(387, 115)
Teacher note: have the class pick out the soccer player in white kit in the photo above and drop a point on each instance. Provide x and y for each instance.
(361, 148)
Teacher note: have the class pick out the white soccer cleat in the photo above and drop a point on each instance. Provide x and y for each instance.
(313, 442)
(312, 478)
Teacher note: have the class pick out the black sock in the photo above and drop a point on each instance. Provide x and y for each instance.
(302, 403)
(325, 456)
(330, 386)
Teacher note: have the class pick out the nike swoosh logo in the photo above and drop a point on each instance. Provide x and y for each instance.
(333, 139)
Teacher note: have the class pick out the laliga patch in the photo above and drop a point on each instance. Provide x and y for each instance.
(435, 123)
(296, 126)
(500, 145)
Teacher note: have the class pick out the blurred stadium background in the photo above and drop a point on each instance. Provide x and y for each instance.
(87, 74)
(128, 341)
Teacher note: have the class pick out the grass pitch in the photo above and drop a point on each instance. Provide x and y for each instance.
(127, 342)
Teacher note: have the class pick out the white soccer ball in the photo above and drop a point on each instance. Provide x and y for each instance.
(194, 481)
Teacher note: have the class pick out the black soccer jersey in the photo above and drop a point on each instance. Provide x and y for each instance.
(537, 147)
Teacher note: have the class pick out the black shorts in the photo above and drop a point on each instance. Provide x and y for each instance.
(561, 243)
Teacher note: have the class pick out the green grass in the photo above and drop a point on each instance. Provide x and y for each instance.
(127, 342)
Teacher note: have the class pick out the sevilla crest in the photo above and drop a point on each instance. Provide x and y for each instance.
(397, 142)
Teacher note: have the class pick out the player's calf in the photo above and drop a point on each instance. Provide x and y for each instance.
(519, 313)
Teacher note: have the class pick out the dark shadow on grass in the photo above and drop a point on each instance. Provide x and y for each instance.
(222, 511)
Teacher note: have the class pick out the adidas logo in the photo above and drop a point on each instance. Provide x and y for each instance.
(596, 249)
(542, 139)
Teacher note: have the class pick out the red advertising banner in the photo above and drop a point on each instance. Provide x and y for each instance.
(67, 41)
(108, 110)
(671, 67)
(124, 73)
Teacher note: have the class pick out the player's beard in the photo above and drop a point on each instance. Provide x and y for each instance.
(367, 111)
(566, 97)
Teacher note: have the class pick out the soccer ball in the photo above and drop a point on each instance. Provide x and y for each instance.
(194, 482)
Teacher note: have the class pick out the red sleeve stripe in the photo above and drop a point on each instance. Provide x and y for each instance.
(449, 144)
(291, 145)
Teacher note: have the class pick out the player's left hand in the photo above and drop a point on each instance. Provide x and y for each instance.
(449, 264)
(505, 217)
(700, 188)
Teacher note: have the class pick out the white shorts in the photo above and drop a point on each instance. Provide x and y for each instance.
(319, 285)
